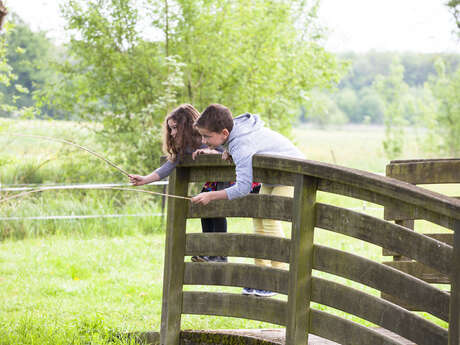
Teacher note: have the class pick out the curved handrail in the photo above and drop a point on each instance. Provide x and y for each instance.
(382, 185)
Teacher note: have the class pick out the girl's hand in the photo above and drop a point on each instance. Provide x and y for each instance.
(137, 180)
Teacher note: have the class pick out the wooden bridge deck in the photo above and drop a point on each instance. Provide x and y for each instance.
(248, 337)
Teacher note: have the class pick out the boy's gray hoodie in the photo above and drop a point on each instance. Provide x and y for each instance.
(247, 138)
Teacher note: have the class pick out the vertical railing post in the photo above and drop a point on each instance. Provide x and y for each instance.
(454, 311)
(173, 276)
(301, 257)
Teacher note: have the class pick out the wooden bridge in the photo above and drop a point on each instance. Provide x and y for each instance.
(303, 323)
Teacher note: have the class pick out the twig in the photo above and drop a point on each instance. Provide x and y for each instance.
(20, 195)
(73, 144)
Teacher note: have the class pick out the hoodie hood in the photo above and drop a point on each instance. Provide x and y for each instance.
(244, 125)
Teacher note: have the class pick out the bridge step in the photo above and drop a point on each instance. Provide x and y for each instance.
(246, 337)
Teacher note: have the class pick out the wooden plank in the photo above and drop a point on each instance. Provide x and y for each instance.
(226, 304)
(174, 258)
(250, 206)
(301, 263)
(381, 277)
(454, 313)
(441, 237)
(379, 312)
(419, 271)
(395, 209)
(227, 173)
(239, 245)
(385, 234)
(346, 332)
(242, 275)
(427, 171)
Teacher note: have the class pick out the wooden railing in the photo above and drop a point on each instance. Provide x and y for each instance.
(421, 172)
(303, 255)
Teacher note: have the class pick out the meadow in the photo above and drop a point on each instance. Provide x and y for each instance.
(80, 281)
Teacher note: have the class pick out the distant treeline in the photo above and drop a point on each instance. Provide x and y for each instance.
(356, 98)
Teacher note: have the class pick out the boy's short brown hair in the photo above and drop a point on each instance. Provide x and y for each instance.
(215, 118)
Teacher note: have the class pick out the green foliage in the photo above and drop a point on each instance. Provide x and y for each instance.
(446, 89)
(323, 111)
(454, 6)
(392, 89)
(255, 56)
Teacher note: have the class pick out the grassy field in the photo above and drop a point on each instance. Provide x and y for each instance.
(82, 281)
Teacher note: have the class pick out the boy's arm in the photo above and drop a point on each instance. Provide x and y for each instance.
(206, 197)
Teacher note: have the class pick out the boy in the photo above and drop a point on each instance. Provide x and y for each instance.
(244, 137)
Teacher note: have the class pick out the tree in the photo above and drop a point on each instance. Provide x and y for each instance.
(28, 54)
(446, 89)
(323, 111)
(392, 89)
(454, 6)
(8, 77)
(258, 56)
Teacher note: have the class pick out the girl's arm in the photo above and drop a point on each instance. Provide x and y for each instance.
(138, 180)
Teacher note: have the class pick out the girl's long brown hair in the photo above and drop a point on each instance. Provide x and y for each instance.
(187, 136)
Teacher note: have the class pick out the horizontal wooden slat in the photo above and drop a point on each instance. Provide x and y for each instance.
(441, 237)
(202, 174)
(232, 305)
(395, 209)
(409, 243)
(381, 277)
(239, 245)
(346, 332)
(420, 271)
(378, 311)
(426, 171)
(250, 206)
(229, 274)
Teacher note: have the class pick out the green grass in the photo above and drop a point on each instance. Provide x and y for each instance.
(82, 281)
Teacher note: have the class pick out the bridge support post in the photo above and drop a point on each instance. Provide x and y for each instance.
(454, 310)
(173, 276)
(301, 261)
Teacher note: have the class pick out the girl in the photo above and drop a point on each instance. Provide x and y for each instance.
(180, 138)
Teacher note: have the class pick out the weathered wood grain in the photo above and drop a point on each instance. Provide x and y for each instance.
(426, 171)
(454, 316)
(428, 251)
(226, 304)
(386, 279)
(174, 259)
(250, 206)
(346, 332)
(239, 245)
(379, 312)
(419, 271)
(242, 275)
(301, 263)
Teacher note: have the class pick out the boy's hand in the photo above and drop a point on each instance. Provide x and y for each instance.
(206, 197)
(202, 198)
(226, 156)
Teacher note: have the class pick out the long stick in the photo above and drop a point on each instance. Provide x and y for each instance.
(20, 195)
(73, 144)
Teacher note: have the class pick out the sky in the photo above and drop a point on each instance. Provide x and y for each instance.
(424, 26)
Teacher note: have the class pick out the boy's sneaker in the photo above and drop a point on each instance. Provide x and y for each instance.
(248, 291)
(200, 258)
(209, 258)
(264, 293)
(218, 258)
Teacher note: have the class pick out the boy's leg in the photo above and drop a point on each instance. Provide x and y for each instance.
(272, 227)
